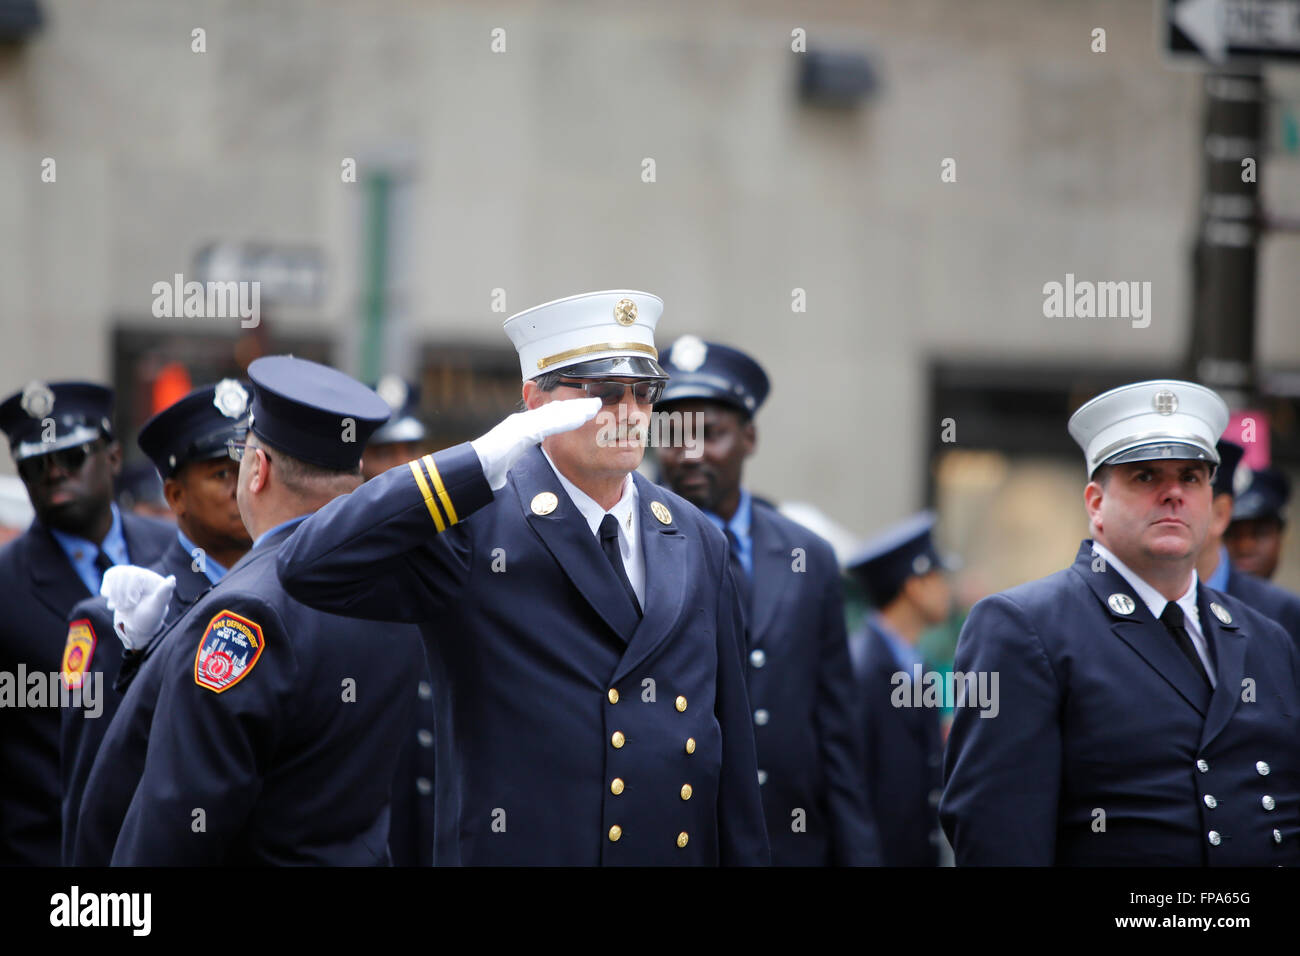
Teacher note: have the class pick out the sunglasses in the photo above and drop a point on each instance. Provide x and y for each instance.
(611, 393)
(68, 459)
(238, 449)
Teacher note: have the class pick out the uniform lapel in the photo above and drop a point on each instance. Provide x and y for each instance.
(1229, 652)
(55, 581)
(568, 537)
(1142, 632)
(771, 565)
(886, 667)
(665, 577)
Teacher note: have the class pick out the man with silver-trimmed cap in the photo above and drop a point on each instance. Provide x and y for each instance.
(262, 730)
(800, 684)
(585, 637)
(1144, 718)
(188, 444)
(904, 575)
(61, 438)
(1254, 537)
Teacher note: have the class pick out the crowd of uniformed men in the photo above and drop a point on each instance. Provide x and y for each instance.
(519, 650)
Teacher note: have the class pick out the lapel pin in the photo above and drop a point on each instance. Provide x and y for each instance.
(660, 511)
(1121, 603)
(1221, 613)
(544, 503)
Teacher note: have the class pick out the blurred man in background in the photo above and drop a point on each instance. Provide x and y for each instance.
(62, 443)
(397, 441)
(800, 686)
(1122, 734)
(188, 444)
(1254, 538)
(904, 576)
(1216, 569)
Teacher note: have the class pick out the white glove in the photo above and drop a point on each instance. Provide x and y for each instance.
(138, 599)
(503, 445)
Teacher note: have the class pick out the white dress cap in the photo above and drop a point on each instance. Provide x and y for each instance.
(1148, 421)
(583, 328)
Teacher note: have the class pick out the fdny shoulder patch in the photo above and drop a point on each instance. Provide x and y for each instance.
(230, 647)
(77, 652)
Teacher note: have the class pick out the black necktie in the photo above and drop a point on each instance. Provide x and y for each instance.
(1173, 619)
(102, 563)
(609, 544)
(744, 587)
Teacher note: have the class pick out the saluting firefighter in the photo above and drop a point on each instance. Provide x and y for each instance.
(585, 636)
(1145, 719)
(273, 726)
(62, 443)
(188, 443)
(800, 683)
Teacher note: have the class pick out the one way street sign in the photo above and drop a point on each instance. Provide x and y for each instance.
(1221, 31)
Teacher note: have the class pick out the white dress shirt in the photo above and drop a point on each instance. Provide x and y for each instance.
(1155, 602)
(629, 525)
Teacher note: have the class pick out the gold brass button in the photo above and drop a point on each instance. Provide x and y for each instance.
(615, 832)
(690, 745)
(613, 695)
(683, 838)
(681, 704)
(616, 786)
(686, 791)
(618, 739)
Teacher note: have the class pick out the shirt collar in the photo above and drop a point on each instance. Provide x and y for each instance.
(114, 544)
(1153, 599)
(213, 570)
(624, 510)
(740, 522)
(1219, 579)
(281, 526)
(905, 655)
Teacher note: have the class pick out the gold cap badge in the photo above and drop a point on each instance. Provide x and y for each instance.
(544, 503)
(660, 511)
(625, 312)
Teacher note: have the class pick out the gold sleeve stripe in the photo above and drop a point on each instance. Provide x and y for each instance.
(428, 496)
(437, 486)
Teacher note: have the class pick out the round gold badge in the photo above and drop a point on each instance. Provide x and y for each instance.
(658, 509)
(544, 503)
(625, 312)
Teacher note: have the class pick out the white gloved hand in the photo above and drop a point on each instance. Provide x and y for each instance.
(138, 599)
(503, 445)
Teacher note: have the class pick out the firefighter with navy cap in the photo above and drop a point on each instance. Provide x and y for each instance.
(904, 575)
(1143, 718)
(271, 739)
(585, 636)
(1217, 569)
(1254, 537)
(63, 446)
(801, 690)
(188, 445)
